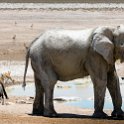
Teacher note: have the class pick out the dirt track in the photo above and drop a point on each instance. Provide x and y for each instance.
(18, 113)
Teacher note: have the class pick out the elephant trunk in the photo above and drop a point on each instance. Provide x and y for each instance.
(122, 54)
(119, 53)
(27, 61)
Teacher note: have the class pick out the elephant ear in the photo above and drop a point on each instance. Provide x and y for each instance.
(103, 46)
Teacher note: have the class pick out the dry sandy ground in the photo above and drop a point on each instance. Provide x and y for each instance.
(19, 27)
(18, 110)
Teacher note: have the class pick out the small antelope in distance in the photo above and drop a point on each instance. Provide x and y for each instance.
(6, 78)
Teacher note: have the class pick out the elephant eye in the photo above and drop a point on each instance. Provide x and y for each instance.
(122, 43)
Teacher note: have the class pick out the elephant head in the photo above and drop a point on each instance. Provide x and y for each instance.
(109, 43)
(119, 43)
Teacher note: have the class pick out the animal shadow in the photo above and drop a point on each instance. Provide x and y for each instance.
(70, 115)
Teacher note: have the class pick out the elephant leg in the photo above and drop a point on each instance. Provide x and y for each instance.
(49, 91)
(98, 72)
(49, 107)
(45, 81)
(114, 89)
(99, 96)
(38, 107)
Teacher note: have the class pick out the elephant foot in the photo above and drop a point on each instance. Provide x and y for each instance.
(99, 114)
(117, 114)
(50, 113)
(37, 112)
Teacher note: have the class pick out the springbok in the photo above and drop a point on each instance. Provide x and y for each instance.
(6, 78)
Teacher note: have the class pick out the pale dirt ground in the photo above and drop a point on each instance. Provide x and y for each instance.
(19, 27)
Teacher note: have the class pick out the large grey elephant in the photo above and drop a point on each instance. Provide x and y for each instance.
(69, 54)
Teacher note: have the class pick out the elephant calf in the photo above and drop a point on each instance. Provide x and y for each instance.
(2, 93)
(69, 54)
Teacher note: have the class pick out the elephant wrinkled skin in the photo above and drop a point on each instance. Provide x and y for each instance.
(69, 54)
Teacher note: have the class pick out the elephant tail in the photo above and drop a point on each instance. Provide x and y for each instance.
(27, 61)
(26, 67)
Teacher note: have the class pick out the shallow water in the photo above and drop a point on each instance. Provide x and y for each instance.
(74, 93)
(61, 5)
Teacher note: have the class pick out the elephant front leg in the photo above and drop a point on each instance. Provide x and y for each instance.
(114, 89)
(98, 72)
(99, 96)
(38, 107)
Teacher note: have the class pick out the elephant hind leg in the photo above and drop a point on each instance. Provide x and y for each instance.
(49, 92)
(38, 107)
(45, 80)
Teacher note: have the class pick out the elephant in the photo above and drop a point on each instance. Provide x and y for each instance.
(2, 92)
(70, 54)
